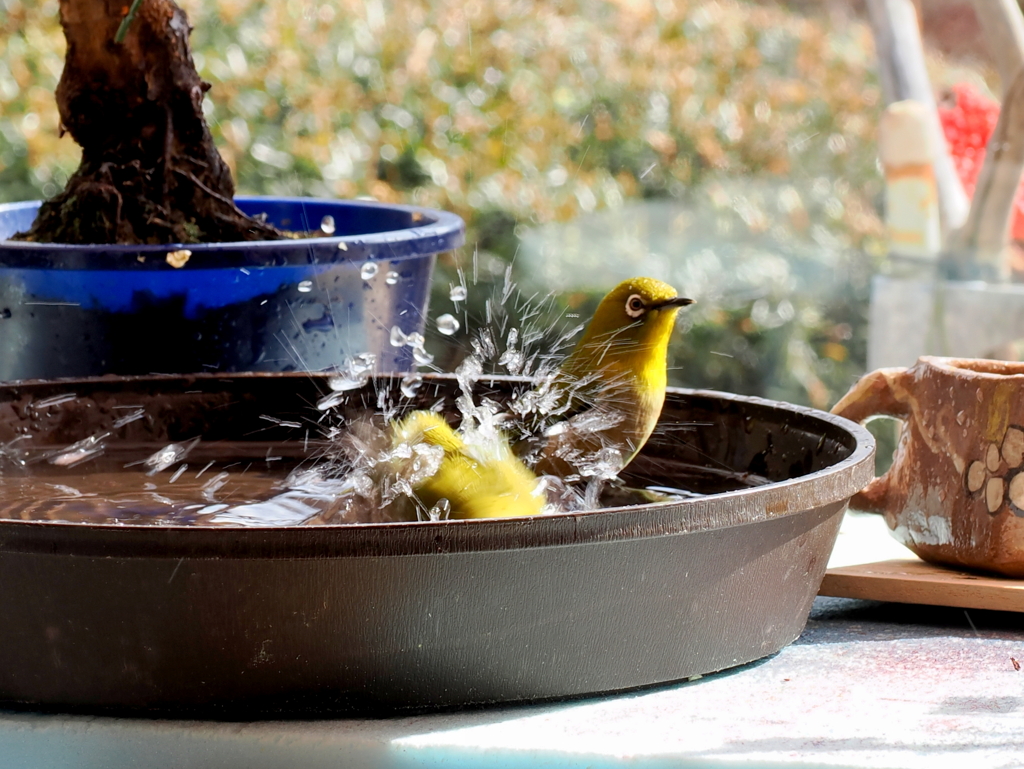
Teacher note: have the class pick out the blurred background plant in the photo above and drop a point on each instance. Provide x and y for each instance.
(727, 147)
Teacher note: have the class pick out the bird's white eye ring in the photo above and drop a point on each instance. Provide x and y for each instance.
(635, 306)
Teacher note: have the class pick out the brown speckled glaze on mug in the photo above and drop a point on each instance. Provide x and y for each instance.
(955, 492)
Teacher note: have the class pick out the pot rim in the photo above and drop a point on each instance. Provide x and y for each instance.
(833, 485)
(440, 231)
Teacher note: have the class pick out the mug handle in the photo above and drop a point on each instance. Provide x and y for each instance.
(880, 393)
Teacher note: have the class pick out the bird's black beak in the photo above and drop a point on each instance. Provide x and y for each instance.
(676, 301)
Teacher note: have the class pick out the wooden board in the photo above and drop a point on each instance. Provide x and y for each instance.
(914, 581)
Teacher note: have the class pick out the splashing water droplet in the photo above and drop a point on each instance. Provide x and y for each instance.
(558, 428)
(305, 286)
(411, 384)
(391, 278)
(421, 356)
(56, 400)
(369, 271)
(353, 375)
(330, 401)
(458, 293)
(604, 464)
(447, 324)
(130, 417)
(415, 339)
(215, 484)
(362, 363)
(361, 484)
(343, 246)
(168, 455)
(483, 345)
(327, 225)
(512, 360)
(440, 511)
(80, 452)
(398, 337)
(468, 372)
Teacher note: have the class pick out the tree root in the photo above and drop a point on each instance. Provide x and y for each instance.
(150, 173)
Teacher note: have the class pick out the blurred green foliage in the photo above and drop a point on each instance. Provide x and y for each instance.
(523, 114)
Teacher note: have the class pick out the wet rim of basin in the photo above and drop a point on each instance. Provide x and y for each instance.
(430, 231)
(831, 485)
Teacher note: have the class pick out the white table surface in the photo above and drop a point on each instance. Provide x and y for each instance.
(867, 685)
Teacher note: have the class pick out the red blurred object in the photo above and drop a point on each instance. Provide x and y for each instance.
(968, 118)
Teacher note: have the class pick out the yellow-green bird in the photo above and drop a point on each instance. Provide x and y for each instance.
(480, 478)
(613, 383)
(593, 416)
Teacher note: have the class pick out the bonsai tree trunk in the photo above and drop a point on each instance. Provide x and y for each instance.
(150, 172)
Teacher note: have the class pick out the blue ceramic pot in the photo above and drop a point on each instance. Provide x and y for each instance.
(284, 305)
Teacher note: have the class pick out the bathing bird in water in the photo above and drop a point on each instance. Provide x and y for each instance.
(585, 422)
(459, 475)
(605, 399)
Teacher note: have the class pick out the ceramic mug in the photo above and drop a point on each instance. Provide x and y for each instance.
(955, 491)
